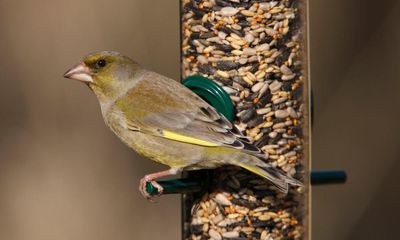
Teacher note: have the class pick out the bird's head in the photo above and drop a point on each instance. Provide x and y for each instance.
(106, 73)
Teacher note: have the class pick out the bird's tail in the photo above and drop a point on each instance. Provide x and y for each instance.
(278, 178)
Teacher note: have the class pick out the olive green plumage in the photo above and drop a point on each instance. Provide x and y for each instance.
(166, 122)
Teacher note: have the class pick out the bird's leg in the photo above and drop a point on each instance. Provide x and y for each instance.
(151, 179)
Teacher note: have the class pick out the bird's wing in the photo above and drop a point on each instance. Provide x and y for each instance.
(168, 109)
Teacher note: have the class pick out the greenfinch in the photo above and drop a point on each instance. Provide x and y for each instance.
(166, 122)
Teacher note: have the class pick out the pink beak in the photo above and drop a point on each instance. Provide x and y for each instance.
(79, 72)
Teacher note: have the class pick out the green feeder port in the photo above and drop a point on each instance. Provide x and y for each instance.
(211, 93)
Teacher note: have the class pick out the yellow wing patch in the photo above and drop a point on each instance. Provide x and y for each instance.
(186, 139)
(174, 136)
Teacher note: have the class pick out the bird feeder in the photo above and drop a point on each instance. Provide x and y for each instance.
(257, 52)
(249, 59)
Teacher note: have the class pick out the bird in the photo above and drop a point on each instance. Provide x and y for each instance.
(166, 122)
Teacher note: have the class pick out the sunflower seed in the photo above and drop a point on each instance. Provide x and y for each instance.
(214, 234)
(228, 11)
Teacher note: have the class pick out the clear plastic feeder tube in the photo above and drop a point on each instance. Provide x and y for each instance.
(258, 52)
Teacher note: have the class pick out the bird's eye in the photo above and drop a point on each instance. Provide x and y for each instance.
(101, 63)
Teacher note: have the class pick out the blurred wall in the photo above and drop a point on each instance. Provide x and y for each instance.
(355, 75)
(64, 175)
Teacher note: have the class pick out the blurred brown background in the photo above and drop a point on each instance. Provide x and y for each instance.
(64, 175)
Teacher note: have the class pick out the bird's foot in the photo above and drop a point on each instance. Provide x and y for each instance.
(160, 189)
(143, 188)
(150, 178)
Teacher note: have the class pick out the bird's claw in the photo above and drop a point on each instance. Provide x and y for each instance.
(160, 189)
(143, 190)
